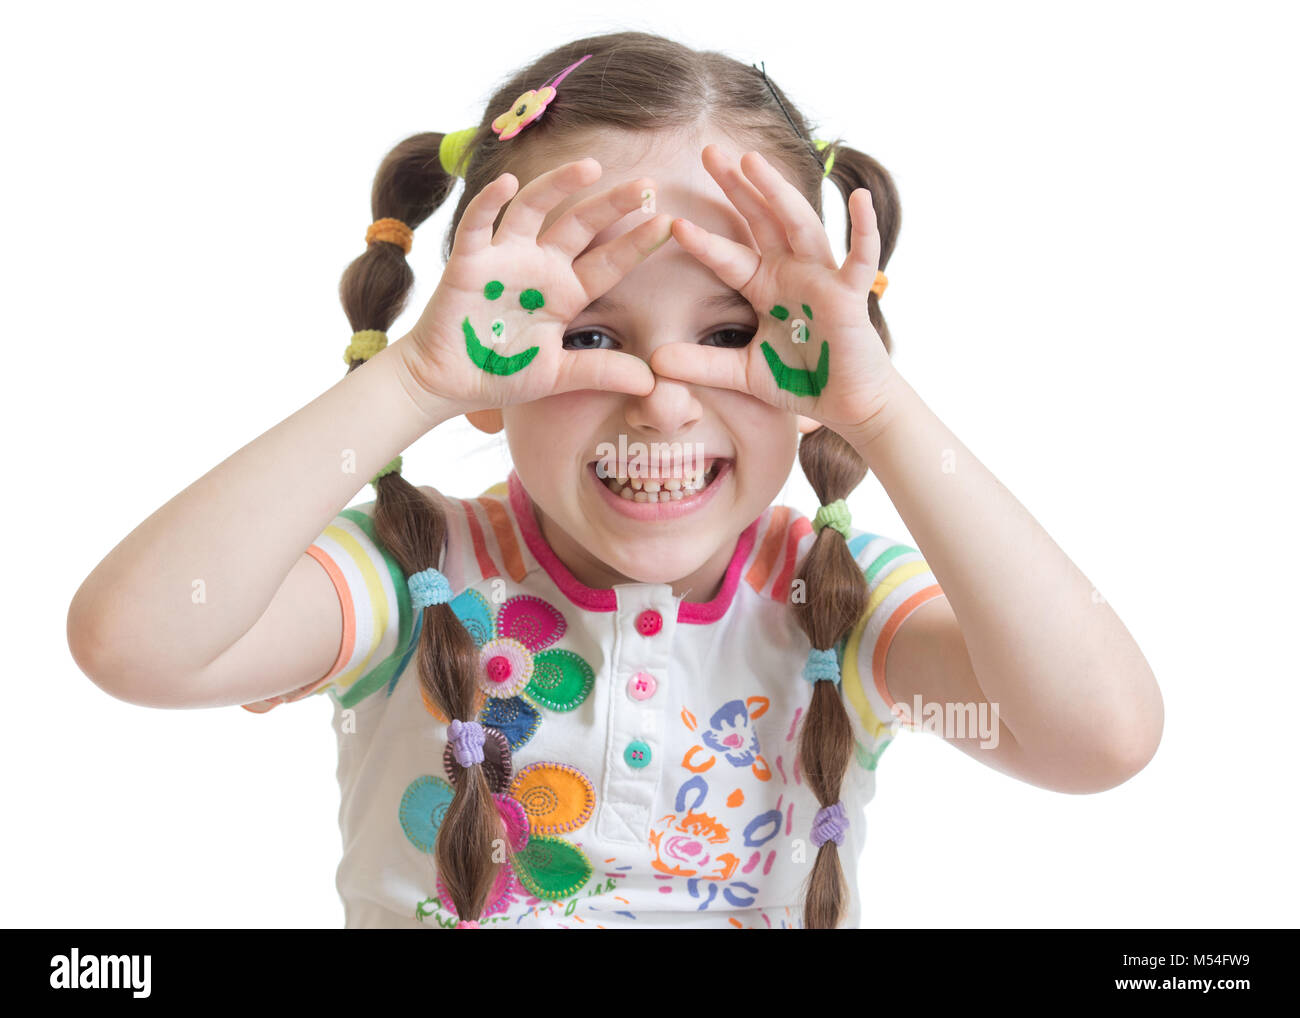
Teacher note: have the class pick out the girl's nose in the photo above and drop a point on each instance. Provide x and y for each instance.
(668, 410)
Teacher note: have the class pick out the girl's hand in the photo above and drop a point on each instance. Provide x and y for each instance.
(492, 333)
(815, 352)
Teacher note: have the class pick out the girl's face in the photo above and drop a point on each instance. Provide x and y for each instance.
(668, 298)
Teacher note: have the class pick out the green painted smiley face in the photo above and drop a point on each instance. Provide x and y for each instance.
(800, 381)
(489, 360)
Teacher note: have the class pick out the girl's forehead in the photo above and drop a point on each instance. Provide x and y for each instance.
(705, 205)
(683, 187)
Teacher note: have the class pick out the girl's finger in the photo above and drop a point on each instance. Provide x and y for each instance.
(573, 231)
(803, 230)
(863, 258)
(716, 367)
(603, 370)
(600, 269)
(749, 202)
(525, 215)
(475, 230)
(735, 264)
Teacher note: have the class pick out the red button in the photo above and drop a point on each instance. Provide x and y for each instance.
(641, 686)
(649, 622)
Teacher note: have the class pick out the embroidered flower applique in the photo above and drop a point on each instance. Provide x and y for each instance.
(544, 800)
(520, 673)
(517, 673)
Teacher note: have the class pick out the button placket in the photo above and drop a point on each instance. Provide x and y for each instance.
(644, 624)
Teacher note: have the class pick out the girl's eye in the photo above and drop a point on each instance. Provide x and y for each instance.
(737, 337)
(580, 340)
(587, 340)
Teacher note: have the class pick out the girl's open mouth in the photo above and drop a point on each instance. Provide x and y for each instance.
(651, 499)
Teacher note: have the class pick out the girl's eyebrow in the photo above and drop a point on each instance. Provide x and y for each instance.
(729, 299)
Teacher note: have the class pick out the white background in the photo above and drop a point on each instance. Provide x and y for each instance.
(1094, 288)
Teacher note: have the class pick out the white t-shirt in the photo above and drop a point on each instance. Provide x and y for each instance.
(655, 778)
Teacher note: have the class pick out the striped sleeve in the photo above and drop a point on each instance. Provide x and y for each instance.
(898, 582)
(380, 631)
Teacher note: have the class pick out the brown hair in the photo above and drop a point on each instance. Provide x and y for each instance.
(612, 90)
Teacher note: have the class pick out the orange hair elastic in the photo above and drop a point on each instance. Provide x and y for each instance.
(392, 231)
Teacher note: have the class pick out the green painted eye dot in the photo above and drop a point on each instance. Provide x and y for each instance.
(531, 300)
(493, 290)
(780, 313)
(807, 311)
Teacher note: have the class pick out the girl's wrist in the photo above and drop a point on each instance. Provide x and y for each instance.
(430, 409)
(888, 402)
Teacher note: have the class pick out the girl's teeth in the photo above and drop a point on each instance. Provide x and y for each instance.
(671, 489)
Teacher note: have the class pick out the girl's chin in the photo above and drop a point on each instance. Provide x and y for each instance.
(648, 563)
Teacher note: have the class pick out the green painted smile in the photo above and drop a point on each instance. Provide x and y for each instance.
(799, 380)
(490, 360)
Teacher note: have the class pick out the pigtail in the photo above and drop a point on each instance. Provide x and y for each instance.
(409, 186)
(837, 599)
(836, 587)
(849, 170)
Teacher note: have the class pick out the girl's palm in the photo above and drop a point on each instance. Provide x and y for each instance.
(492, 334)
(814, 351)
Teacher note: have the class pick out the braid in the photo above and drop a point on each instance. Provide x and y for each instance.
(837, 598)
(409, 187)
(836, 588)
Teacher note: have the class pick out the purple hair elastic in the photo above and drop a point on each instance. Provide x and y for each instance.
(830, 824)
(466, 738)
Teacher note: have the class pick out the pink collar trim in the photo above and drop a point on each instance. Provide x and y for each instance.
(605, 600)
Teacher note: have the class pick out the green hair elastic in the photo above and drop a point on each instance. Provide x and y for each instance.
(394, 466)
(834, 515)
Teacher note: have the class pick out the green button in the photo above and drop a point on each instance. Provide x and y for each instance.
(637, 754)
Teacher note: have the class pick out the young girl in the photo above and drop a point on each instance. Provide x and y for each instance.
(622, 688)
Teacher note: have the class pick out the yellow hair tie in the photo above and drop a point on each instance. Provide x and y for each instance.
(451, 150)
(365, 344)
(821, 145)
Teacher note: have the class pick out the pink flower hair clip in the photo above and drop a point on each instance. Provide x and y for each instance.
(529, 106)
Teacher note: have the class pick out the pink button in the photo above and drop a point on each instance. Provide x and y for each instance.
(649, 622)
(641, 686)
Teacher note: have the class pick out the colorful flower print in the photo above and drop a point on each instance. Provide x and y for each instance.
(699, 847)
(720, 841)
(730, 733)
(544, 800)
(518, 674)
(685, 847)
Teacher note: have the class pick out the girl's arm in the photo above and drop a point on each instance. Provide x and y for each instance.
(1021, 627)
(212, 600)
